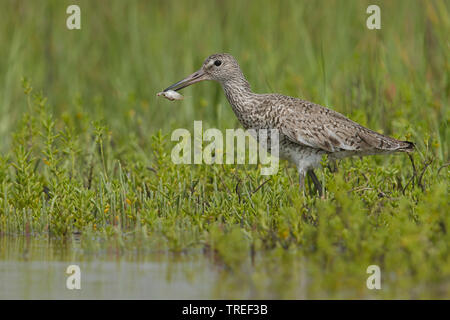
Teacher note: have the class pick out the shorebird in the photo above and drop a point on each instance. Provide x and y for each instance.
(307, 131)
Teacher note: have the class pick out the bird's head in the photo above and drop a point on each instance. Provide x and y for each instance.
(221, 67)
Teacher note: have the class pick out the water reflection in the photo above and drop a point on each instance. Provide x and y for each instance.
(35, 269)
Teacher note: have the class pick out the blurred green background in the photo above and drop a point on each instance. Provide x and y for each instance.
(90, 163)
(394, 80)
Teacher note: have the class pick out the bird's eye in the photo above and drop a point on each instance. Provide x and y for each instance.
(217, 63)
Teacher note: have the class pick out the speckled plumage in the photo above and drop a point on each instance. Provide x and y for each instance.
(307, 130)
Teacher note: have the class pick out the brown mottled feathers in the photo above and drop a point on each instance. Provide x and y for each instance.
(315, 126)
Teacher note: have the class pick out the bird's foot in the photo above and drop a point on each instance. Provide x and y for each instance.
(315, 180)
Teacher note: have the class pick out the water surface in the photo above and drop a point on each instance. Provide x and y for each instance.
(36, 269)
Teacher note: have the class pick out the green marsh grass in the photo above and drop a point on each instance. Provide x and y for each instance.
(86, 144)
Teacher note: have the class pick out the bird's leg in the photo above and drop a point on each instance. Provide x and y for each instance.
(332, 165)
(316, 181)
(301, 181)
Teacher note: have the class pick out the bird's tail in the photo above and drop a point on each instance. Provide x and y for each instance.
(406, 146)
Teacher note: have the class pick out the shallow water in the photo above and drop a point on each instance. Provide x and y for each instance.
(36, 269)
(33, 268)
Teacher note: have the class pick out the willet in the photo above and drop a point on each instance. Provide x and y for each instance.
(307, 131)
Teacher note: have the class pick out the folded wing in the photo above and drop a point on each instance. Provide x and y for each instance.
(317, 127)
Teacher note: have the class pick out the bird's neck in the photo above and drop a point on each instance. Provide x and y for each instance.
(238, 93)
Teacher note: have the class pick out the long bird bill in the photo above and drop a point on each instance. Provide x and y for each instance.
(198, 76)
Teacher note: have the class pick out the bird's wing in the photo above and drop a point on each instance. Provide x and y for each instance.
(315, 126)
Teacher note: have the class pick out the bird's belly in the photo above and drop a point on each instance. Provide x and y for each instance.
(303, 157)
(297, 153)
(289, 150)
